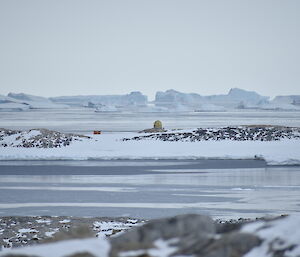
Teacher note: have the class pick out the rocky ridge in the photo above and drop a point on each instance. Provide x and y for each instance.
(239, 133)
(184, 235)
(39, 138)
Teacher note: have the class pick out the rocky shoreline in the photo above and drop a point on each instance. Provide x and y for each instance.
(16, 231)
(184, 235)
(44, 138)
(239, 133)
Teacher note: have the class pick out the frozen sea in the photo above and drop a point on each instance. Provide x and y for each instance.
(86, 120)
(146, 188)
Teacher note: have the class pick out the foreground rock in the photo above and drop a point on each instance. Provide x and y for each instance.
(240, 133)
(40, 138)
(184, 235)
(192, 235)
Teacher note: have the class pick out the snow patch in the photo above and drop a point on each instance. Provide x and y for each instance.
(95, 246)
(279, 235)
(27, 230)
(65, 221)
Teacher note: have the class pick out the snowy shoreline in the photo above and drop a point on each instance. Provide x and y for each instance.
(113, 147)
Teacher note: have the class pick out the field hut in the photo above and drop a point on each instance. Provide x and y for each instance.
(157, 124)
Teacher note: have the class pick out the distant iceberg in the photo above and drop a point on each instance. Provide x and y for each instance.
(168, 101)
(235, 99)
(23, 102)
(36, 102)
(10, 104)
(238, 98)
(131, 99)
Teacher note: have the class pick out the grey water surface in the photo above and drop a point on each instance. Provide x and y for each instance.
(148, 188)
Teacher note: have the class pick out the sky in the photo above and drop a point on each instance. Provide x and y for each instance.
(83, 47)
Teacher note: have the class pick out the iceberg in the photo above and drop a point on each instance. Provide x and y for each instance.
(10, 104)
(238, 99)
(131, 99)
(35, 102)
(172, 99)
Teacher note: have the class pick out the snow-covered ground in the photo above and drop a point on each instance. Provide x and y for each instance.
(278, 236)
(111, 146)
(95, 246)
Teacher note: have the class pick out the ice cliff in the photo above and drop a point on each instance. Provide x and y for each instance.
(168, 101)
(131, 99)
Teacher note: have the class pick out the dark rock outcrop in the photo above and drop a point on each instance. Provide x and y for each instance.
(189, 231)
(193, 235)
(40, 138)
(240, 133)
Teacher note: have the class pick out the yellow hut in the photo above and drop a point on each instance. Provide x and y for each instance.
(157, 124)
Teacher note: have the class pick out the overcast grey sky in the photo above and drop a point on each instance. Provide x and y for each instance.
(71, 47)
